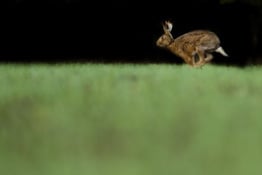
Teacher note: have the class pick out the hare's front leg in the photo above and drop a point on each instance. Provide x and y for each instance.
(187, 58)
(198, 60)
(202, 56)
(208, 57)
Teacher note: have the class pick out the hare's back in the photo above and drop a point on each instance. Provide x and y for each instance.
(203, 38)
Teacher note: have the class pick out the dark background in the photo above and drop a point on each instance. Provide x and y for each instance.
(124, 31)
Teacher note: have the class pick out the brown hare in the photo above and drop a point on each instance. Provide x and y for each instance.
(194, 47)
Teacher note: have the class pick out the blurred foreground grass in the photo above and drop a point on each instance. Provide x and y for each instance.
(130, 119)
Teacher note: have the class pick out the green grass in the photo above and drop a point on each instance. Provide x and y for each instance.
(130, 120)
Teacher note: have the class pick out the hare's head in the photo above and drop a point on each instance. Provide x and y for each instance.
(166, 39)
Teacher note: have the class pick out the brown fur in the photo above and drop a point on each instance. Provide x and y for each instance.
(199, 43)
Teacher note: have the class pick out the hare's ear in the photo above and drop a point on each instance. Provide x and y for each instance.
(167, 26)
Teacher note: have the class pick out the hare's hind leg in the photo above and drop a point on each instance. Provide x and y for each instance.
(208, 57)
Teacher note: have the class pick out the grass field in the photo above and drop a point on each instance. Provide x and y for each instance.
(93, 119)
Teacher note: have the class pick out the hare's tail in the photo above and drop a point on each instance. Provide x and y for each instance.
(221, 51)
